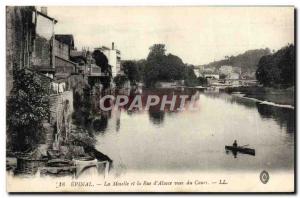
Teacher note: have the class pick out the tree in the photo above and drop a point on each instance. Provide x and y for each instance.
(154, 64)
(131, 71)
(202, 81)
(151, 75)
(141, 64)
(27, 107)
(287, 66)
(156, 51)
(173, 68)
(277, 69)
(102, 61)
(266, 73)
(190, 79)
(120, 80)
(162, 67)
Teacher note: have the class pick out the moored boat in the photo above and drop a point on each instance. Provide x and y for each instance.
(240, 149)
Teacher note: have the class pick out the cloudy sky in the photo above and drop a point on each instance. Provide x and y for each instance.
(198, 35)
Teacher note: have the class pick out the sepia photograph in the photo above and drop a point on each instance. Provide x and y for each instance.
(150, 99)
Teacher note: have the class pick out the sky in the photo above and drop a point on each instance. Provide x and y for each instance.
(198, 35)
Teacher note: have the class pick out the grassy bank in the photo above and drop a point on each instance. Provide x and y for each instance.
(278, 96)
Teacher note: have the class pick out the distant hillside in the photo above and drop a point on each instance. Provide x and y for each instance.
(247, 61)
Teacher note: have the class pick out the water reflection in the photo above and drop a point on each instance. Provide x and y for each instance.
(232, 99)
(156, 114)
(285, 117)
(100, 124)
(156, 117)
(169, 139)
(234, 153)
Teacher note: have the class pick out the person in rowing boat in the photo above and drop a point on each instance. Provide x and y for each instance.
(235, 144)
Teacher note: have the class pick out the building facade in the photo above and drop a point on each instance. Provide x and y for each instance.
(20, 34)
(32, 44)
(226, 70)
(64, 67)
(43, 59)
(114, 58)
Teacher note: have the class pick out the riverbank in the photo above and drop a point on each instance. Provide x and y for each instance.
(60, 161)
(277, 96)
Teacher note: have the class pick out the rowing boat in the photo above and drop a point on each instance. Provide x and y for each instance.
(240, 149)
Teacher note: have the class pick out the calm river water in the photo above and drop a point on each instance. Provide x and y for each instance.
(195, 140)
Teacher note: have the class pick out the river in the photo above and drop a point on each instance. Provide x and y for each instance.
(194, 140)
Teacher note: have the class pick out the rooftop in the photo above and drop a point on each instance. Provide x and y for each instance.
(46, 16)
(65, 38)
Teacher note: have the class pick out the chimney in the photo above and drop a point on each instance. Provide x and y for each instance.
(112, 45)
(44, 10)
